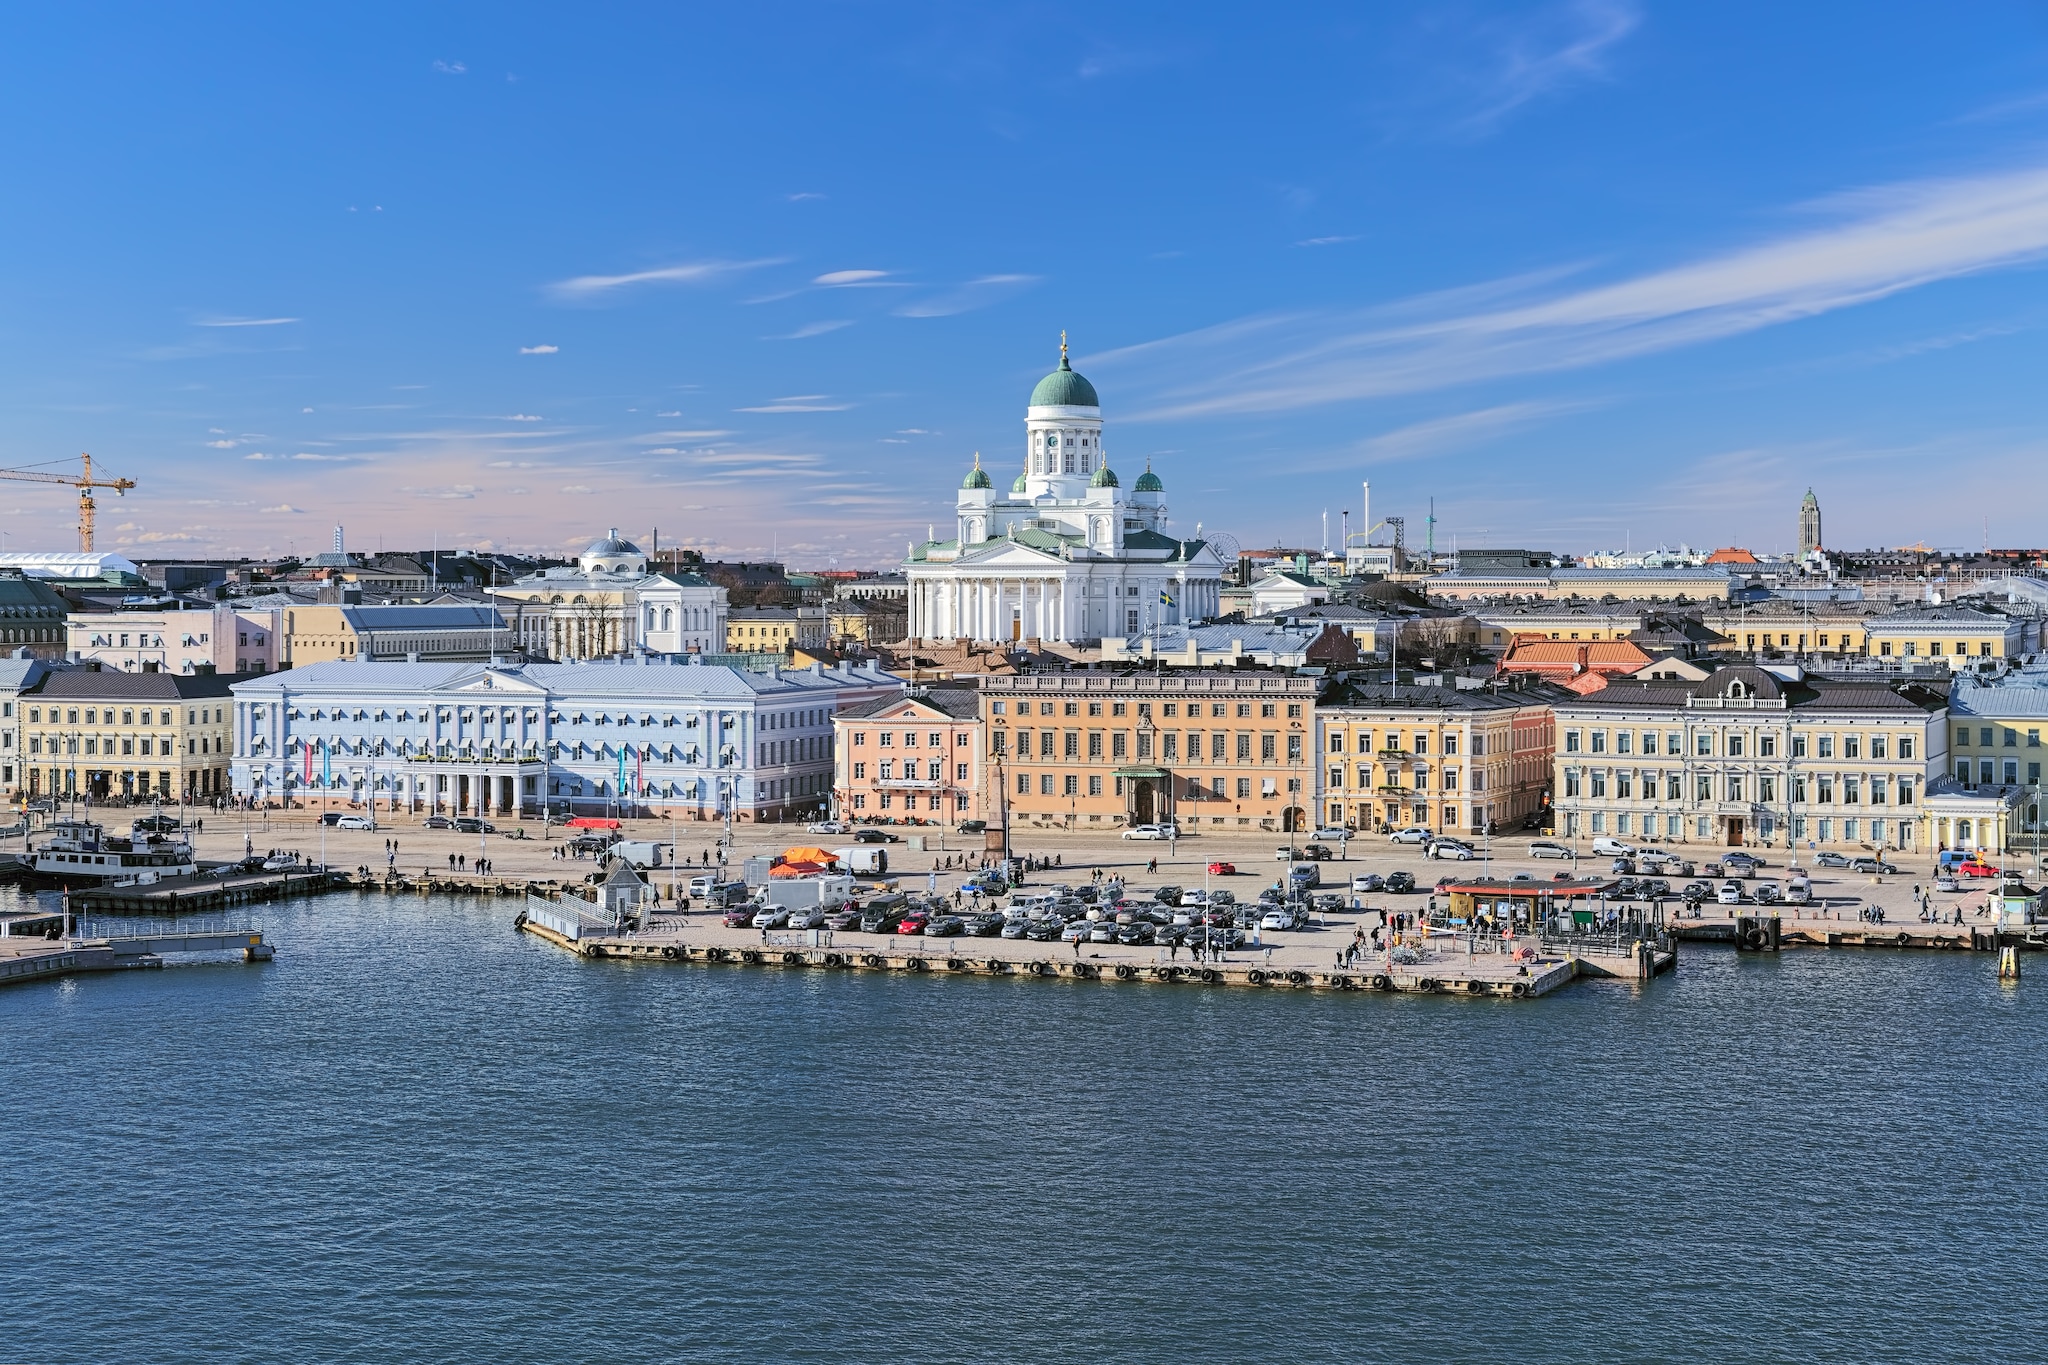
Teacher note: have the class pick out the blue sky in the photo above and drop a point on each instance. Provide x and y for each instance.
(765, 277)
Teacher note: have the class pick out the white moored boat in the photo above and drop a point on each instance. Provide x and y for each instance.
(80, 853)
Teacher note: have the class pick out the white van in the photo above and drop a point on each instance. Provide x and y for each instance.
(1604, 847)
(868, 858)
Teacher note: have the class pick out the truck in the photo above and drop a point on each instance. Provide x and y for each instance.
(828, 892)
(868, 858)
(639, 852)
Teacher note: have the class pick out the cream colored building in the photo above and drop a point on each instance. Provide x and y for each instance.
(1440, 758)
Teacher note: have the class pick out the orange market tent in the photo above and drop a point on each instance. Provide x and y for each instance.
(798, 869)
(803, 854)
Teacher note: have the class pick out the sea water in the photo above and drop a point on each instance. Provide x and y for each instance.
(419, 1135)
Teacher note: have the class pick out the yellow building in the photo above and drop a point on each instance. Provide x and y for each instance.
(1210, 750)
(1435, 757)
(118, 736)
(1790, 628)
(1953, 634)
(773, 630)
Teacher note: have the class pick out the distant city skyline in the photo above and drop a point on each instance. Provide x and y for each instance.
(1588, 274)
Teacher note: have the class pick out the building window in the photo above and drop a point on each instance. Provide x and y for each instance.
(1094, 785)
(1599, 742)
(1571, 741)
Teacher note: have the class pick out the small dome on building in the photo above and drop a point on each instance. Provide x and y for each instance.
(1148, 482)
(1105, 477)
(977, 477)
(612, 545)
(1022, 485)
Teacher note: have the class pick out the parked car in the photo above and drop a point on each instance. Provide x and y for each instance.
(470, 824)
(156, 824)
(1147, 832)
(828, 827)
(1766, 893)
(1873, 866)
(1137, 932)
(808, 917)
(1414, 834)
(1368, 883)
(1798, 891)
(987, 883)
(1829, 858)
(739, 918)
(1048, 930)
(1451, 849)
(986, 925)
(874, 836)
(840, 921)
(1316, 853)
(1287, 854)
(1974, 868)
(1077, 931)
(771, 917)
(1696, 891)
(1730, 893)
(1549, 848)
(881, 919)
(1401, 882)
(1223, 869)
(1335, 834)
(971, 826)
(914, 922)
(943, 926)
(1946, 882)
(1102, 931)
(1605, 847)
(437, 822)
(1279, 919)
(353, 822)
(1742, 864)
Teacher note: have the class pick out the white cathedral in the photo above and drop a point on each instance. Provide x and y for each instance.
(1067, 556)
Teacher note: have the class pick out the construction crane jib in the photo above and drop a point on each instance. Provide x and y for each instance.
(84, 484)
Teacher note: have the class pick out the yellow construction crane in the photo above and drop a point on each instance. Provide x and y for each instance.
(84, 485)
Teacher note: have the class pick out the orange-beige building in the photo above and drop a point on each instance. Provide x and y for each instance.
(1213, 750)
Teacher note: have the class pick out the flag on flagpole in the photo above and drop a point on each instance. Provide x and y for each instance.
(1165, 598)
(639, 771)
(326, 765)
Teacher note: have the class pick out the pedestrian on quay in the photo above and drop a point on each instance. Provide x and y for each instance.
(451, 862)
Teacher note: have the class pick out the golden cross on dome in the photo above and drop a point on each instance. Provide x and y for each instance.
(1063, 343)
(977, 459)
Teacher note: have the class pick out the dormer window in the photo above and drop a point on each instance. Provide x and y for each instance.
(1736, 689)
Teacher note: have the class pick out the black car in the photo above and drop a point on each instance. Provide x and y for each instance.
(469, 824)
(1315, 852)
(437, 822)
(873, 921)
(841, 920)
(874, 836)
(157, 824)
(945, 926)
(1871, 865)
(986, 925)
(1401, 882)
(1167, 895)
(1137, 933)
(1047, 930)
(971, 826)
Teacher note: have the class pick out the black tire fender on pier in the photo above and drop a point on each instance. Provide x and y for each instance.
(792, 959)
(1383, 983)
(1902, 938)
(1475, 988)
(997, 965)
(1297, 978)
(1125, 971)
(956, 964)
(1429, 985)
(519, 920)
(917, 964)
(1520, 990)
(750, 956)
(594, 950)
(1040, 969)
(671, 952)
(1210, 974)
(1084, 971)
(1256, 977)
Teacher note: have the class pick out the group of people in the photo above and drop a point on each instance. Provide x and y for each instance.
(460, 862)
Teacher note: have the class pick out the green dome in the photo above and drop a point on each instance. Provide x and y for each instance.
(1064, 389)
(1148, 482)
(977, 477)
(1019, 486)
(1105, 477)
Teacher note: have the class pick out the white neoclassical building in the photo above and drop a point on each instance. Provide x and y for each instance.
(608, 603)
(1067, 555)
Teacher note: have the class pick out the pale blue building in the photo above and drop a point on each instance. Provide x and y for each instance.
(641, 736)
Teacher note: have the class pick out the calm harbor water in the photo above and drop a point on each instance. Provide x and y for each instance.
(420, 1136)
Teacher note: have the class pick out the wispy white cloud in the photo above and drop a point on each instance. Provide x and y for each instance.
(242, 322)
(798, 405)
(1544, 52)
(577, 488)
(812, 329)
(523, 417)
(841, 279)
(691, 272)
(801, 195)
(223, 444)
(1326, 241)
(1884, 241)
(449, 68)
(283, 508)
(543, 349)
(452, 492)
(976, 293)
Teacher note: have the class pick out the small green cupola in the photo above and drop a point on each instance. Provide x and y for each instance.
(977, 477)
(1022, 485)
(1148, 482)
(1105, 477)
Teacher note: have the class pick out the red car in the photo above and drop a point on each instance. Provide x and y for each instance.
(914, 922)
(1223, 869)
(1974, 868)
(740, 919)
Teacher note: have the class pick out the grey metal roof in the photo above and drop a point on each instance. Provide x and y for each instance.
(434, 616)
